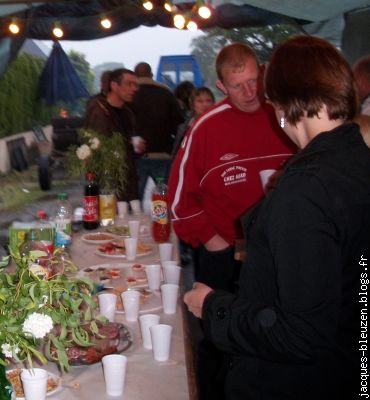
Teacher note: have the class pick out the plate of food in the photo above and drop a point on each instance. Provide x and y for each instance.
(116, 249)
(118, 277)
(97, 237)
(118, 230)
(113, 338)
(54, 384)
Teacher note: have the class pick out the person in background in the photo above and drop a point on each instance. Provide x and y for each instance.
(214, 179)
(361, 71)
(292, 330)
(182, 93)
(109, 114)
(201, 100)
(157, 117)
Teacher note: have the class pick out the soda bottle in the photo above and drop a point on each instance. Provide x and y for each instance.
(161, 225)
(46, 230)
(63, 221)
(91, 203)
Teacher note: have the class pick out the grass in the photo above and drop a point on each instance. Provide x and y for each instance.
(20, 188)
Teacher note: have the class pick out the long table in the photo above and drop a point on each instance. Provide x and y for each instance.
(145, 378)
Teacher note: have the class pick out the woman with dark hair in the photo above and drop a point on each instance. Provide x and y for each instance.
(294, 328)
(201, 100)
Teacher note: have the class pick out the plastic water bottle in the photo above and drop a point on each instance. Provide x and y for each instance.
(161, 225)
(46, 230)
(37, 253)
(63, 221)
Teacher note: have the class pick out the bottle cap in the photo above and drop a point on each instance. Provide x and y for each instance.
(41, 214)
(90, 176)
(159, 179)
(62, 196)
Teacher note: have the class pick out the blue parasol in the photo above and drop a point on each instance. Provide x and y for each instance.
(59, 80)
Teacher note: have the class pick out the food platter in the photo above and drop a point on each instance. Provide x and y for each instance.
(13, 375)
(116, 249)
(120, 341)
(118, 277)
(97, 238)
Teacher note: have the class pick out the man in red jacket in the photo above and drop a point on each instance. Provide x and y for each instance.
(215, 179)
(215, 176)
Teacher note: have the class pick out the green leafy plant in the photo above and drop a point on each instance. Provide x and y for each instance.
(104, 156)
(42, 318)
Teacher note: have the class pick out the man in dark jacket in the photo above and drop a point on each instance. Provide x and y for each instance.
(111, 114)
(157, 118)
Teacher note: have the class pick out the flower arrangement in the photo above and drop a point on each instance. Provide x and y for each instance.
(38, 314)
(104, 156)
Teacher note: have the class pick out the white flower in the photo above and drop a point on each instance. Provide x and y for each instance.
(9, 351)
(94, 143)
(38, 325)
(83, 152)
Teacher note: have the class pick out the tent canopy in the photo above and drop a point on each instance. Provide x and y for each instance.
(80, 19)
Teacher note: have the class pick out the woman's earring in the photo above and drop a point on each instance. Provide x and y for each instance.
(282, 122)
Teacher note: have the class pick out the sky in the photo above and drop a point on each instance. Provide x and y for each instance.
(141, 44)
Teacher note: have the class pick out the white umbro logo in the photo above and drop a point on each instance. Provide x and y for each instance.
(228, 156)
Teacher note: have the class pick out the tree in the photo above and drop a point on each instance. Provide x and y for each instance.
(262, 39)
(20, 109)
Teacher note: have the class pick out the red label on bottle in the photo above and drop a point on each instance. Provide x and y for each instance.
(91, 208)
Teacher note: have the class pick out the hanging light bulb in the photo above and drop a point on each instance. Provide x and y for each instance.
(204, 12)
(106, 23)
(58, 31)
(14, 27)
(167, 6)
(192, 26)
(148, 5)
(179, 21)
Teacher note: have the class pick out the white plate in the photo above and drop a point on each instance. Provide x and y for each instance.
(85, 238)
(55, 378)
(151, 303)
(101, 253)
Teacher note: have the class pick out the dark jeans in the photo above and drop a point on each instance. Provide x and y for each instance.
(219, 270)
(155, 168)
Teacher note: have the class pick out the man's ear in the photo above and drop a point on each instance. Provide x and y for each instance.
(220, 86)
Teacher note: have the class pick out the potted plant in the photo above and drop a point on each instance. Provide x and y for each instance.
(104, 156)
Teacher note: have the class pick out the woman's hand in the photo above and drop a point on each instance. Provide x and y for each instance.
(194, 299)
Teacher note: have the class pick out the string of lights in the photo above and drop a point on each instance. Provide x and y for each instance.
(184, 16)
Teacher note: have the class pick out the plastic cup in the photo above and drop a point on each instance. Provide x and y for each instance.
(265, 176)
(134, 226)
(34, 383)
(161, 341)
(131, 248)
(165, 251)
(153, 274)
(122, 209)
(169, 262)
(131, 304)
(172, 274)
(135, 206)
(114, 368)
(169, 297)
(146, 321)
(107, 305)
